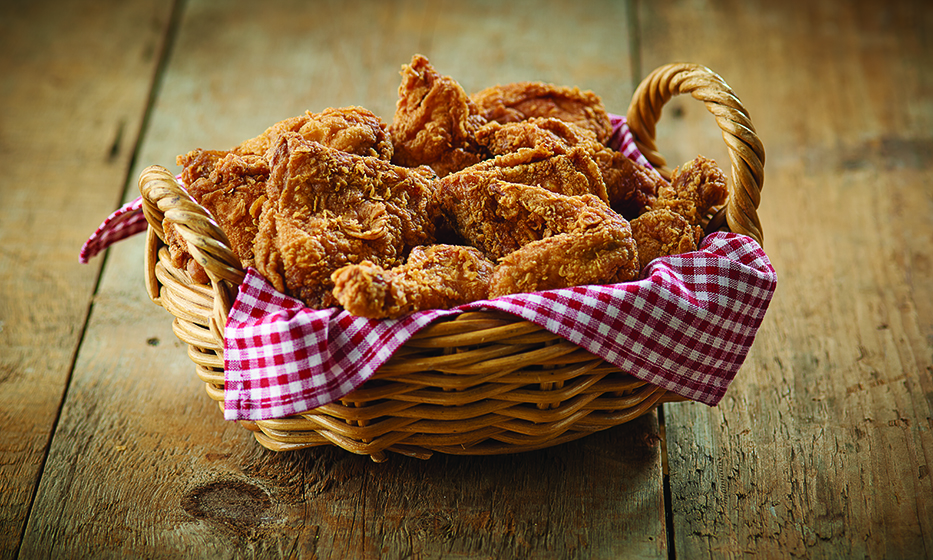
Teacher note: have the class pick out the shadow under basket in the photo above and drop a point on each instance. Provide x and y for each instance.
(480, 383)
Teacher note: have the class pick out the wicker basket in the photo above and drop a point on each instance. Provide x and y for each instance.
(482, 383)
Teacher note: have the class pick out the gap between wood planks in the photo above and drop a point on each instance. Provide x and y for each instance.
(634, 33)
(164, 54)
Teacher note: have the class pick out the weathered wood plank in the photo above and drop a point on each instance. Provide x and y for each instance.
(823, 446)
(74, 83)
(180, 482)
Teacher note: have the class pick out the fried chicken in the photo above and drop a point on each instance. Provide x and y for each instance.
(434, 122)
(672, 224)
(599, 249)
(629, 187)
(434, 277)
(495, 215)
(327, 209)
(354, 130)
(231, 184)
(525, 100)
(660, 233)
(569, 171)
(232, 188)
(696, 187)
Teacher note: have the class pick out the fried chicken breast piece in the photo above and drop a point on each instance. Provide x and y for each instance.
(326, 209)
(521, 101)
(498, 216)
(230, 184)
(434, 277)
(630, 187)
(695, 189)
(660, 233)
(578, 240)
(434, 121)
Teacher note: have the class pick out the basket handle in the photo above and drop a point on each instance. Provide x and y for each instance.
(745, 149)
(164, 197)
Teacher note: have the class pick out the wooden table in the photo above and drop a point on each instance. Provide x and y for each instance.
(822, 447)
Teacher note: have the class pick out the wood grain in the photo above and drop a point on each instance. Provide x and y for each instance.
(142, 463)
(822, 447)
(74, 81)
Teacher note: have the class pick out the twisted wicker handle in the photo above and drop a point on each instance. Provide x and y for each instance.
(164, 197)
(745, 149)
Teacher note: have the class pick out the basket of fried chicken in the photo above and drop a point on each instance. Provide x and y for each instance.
(488, 272)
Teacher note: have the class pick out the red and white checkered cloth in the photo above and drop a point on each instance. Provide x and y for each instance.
(686, 327)
(126, 221)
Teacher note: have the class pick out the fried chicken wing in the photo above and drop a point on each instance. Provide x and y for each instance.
(660, 233)
(521, 101)
(434, 277)
(326, 209)
(498, 217)
(629, 187)
(434, 122)
(696, 188)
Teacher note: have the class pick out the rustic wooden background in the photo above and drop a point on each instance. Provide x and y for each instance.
(821, 449)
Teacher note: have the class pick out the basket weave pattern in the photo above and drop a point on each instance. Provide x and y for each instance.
(480, 383)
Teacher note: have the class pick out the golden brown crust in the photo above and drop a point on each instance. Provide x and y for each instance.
(434, 277)
(521, 101)
(353, 129)
(326, 209)
(629, 187)
(602, 253)
(435, 121)
(696, 187)
(660, 233)
(545, 240)
(339, 208)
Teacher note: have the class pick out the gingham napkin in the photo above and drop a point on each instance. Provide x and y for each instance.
(686, 327)
(126, 221)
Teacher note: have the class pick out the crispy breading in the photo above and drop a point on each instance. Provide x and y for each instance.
(231, 184)
(521, 101)
(326, 209)
(231, 188)
(602, 252)
(355, 130)
(544, 239)
(660, 233)
(499, 216)
(434, 277)
(434, 122)
(569, 171)
(695, 189)
(629, 186)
